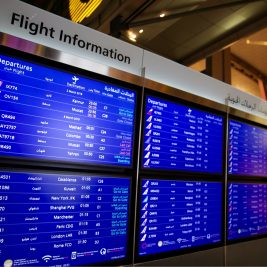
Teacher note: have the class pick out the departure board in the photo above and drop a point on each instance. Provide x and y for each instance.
(54, 115)
(247, 149)
(179, 214)
(247, 210)
(62, 220)
(181, 138)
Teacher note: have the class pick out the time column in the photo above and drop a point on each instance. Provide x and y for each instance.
(103, 211)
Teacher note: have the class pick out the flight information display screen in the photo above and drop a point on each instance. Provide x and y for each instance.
(181, 138)
(247, 210)
(178, 214)
(62, 220)
(54, 115)
(247, 150)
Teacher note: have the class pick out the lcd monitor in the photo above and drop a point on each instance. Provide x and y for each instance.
(247, 210)
(58, 219)
(176, 215)
(180, 137)
(50, 114)
(247, 149)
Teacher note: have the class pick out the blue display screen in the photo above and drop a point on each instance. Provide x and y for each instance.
(247, 149)
(247, 210)
(181, 138)
(55, 115)
(178, 214)
(62, 220)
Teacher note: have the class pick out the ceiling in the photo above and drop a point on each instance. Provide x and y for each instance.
(253, 54)
(189, 31)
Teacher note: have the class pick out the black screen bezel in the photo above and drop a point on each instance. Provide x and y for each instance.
(246, 180)
(128, 259)
(178, 252)
(180, 101)
(48, 63)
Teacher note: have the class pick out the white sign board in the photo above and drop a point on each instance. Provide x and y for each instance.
(170, 73)
(39, 26)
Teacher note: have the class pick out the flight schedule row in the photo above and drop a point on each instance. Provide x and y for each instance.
(72, 119)
(178, 214)
(247, 210)
(247, 149)
(181, 138)
(59, 214)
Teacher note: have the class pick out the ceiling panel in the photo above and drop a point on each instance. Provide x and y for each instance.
(217, 15)
(185, 29)
(199, 40)
(195, 31)
(252, 9)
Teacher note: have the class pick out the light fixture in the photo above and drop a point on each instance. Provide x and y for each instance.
(80, 10)
(132, 36)
(264, 43)
(141, 31)
(132, 39)
(162, 15)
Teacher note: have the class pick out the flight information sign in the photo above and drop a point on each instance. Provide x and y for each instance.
(62, 220)
(178, 214)
(247, 210)
(181, 138)
(54, 115)
(247, 149)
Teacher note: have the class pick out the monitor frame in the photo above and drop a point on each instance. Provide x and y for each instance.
(172, 99)
(177, 252)
(52, 163)
(128, 259)
(250, 123)
(248, 238)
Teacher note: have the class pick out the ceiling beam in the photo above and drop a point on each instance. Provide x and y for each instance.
(138, 11)
(104, 26)
(118, 24)
(225, 40)
(189, 13)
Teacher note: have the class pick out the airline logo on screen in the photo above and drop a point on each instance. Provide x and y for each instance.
(75, 79)
(15, 66)
(74, 84)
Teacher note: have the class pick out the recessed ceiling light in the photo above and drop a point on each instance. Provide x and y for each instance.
(248, 41)
(132, 36)
(162, 15)
(132, 39)
(141, 31)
